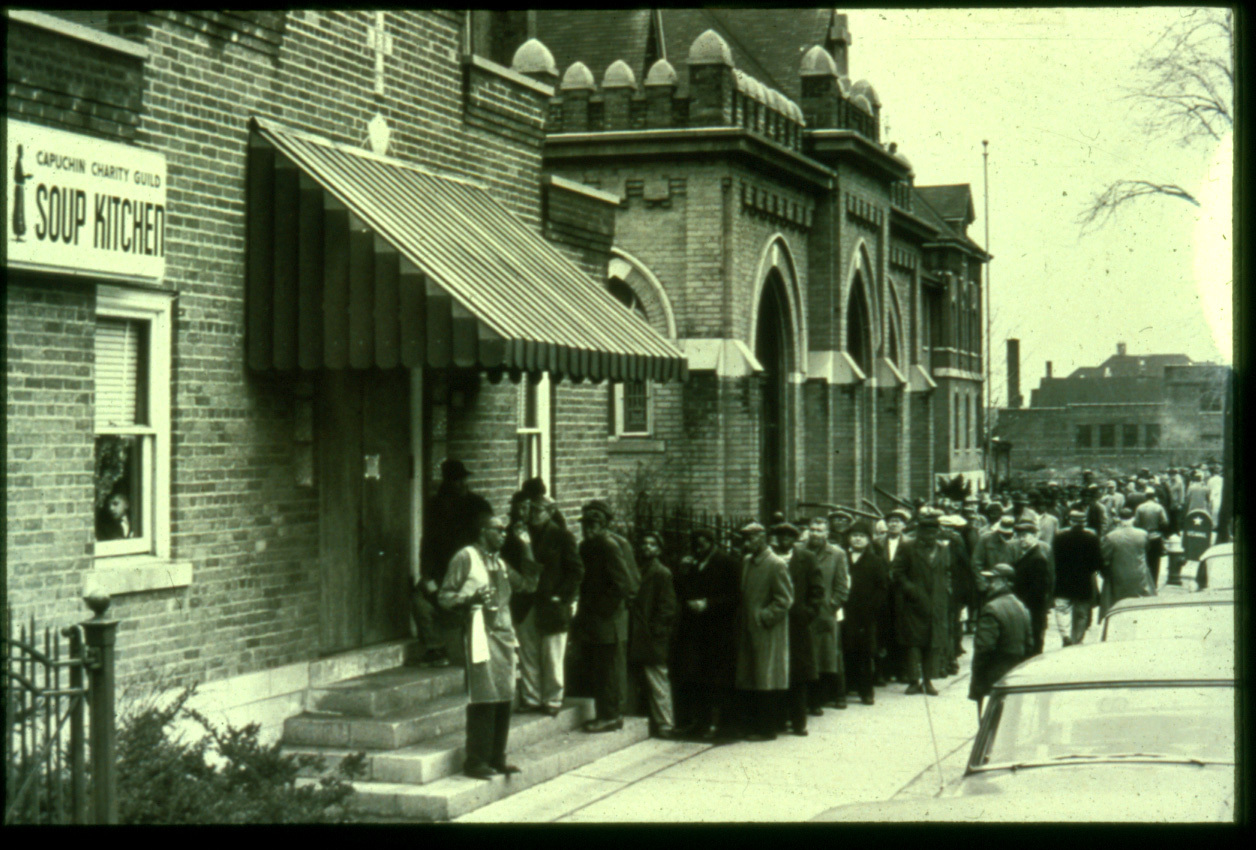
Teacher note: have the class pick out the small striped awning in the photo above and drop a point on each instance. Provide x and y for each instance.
(355, 260)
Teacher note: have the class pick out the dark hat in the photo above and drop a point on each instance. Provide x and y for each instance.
(1144, 473)
(1126, 513)
(786, 528)
(1000, 571)
(598, 506)
(900, 513)
(1026, 525)
(928, 521)
(861, 526)
(453, 470)
(533, 488)
(840, 515)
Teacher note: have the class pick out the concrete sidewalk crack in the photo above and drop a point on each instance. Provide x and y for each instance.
(627, 785)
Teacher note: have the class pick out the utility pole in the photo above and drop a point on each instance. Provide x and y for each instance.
(985, 171)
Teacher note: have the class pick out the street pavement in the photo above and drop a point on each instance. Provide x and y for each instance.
(861, 754)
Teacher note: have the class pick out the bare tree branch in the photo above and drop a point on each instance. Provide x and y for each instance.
(1186, 92)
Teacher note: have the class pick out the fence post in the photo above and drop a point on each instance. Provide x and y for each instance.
(78, 740)
(101, 636)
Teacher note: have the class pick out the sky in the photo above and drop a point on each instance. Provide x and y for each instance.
(1045, 87)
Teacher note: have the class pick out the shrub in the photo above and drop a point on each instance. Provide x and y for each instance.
(227, 776)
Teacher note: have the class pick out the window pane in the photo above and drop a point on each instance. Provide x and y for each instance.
(120, 487)
(120, 373)
(1083, 436)
(1129, 435)
(636, 408)
(1107, 436)
(1153, 436)
(529, 403)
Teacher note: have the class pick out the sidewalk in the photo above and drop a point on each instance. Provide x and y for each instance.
(865, 753)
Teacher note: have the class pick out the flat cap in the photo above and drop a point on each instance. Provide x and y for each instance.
(1126, 513)
(1007, 522)
(900, 513)
(999, 571)
(533, 488)
(927, 521)
(751, 528)
(598, 506)
(1026, 525)
(786, 528)
(952, 521)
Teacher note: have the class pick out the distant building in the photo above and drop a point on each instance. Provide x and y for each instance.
(1130, 411)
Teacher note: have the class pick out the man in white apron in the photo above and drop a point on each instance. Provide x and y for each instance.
(479, 584)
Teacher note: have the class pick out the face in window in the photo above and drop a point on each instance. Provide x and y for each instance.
(118, 506)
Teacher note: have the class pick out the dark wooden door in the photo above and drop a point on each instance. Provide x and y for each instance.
(364, 501)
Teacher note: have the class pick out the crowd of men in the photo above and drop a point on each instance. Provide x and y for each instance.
(748, 642)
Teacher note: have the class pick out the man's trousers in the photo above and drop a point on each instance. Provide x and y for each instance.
(797, 705)
(605, 667)
(540, 664)
(488, 728)
(1072, 619)
(658, 690)
(701, 706)
(432, 623)
(1155, 551)
(762, 712)
(920, 663)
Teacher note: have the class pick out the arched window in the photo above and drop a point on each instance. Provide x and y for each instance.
(630, 401)
(858, 333)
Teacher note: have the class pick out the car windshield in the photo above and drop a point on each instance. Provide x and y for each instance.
(1213, 622)
(1179, 723)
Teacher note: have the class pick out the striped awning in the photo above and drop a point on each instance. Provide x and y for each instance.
(356, 260)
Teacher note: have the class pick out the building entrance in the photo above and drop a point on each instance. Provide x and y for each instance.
(772, 346)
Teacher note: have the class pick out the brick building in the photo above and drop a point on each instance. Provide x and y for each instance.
(265, 270)
(830, 307)
(1130, 411)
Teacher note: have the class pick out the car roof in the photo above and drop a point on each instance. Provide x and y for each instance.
(1220, 596)
(1176, 659)
(1219, 549)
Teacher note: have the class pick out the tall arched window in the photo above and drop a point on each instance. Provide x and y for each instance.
(858, 332)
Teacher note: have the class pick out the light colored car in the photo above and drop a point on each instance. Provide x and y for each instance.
(1216, 568)
(1208, 614)
(1131, 731)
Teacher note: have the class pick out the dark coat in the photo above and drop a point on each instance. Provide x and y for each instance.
(1004, 637)
(554, 548)
(808, 583)
(448, 527)
(602, 613)
(1078, 559)
(869, 587)
(652, 616)
(835, 580)
(913, 576)
(963, 585)
(762, 623)
(705, 647)
(1032, 584)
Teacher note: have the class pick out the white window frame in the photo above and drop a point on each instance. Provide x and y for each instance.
(619, 411)
(156, 310)
(544, 429)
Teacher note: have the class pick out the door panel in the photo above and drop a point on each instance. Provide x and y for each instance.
(339, 447)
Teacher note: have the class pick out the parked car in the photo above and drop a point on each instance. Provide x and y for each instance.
(1216, 568)
(1207, 614)
(1131, 731)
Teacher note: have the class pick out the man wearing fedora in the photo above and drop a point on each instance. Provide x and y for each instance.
(1078, 560)
(1033, 581)
(920, 564)
(763, 635)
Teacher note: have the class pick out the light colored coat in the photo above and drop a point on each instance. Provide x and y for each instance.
(1125, 566)
(762, 624)
(835, 578)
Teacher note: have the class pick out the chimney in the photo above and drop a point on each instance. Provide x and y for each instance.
(1014, 398)
(839, 43)
(1120, 349)
(1048, 368)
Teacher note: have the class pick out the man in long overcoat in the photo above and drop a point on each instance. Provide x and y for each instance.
(542, 618)
(763, 634)
(651, 620)
(1078, 559)
(914, 576)
(804, 575)
(961, 582)
(994, 546)
(601, 620)
(1032, 584)
(1125, 572)
(891, 662)
(478, 586)
(869, 586)
(704, 652)
(826, 630)
(1003, 637)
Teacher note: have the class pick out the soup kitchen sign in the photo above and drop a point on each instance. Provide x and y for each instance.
(84, 206)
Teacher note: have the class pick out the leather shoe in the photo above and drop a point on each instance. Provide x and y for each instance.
(485, 772)
(801, 733)
(868, 699)
(596, 726)
(930, 689)
(759, 736)
(552, 710)
(914, 688)
(527, 708)
(508, 769)
(841, 704)
(816, 712)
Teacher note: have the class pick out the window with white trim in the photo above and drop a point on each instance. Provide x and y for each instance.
(132, 423)
(631, 401)
(535, 431)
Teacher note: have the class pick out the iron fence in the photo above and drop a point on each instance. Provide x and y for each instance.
(53, 681)
(675, 525)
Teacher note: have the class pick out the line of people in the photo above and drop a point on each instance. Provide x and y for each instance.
(749, 643)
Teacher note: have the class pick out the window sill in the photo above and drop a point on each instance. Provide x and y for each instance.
(136, 574)
(636, 445)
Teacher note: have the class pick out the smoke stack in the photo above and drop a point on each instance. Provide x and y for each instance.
(1120, 349)
(1014, 398)
(1048, 368)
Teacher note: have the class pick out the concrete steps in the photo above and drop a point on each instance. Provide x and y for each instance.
(435, 758)
(455, 795)
(385, 692)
